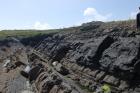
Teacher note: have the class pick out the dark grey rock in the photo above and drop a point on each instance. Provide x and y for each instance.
(104, 51)
(111, 80)
(120, 57)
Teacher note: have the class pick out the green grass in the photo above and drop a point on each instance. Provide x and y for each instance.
(24, 33)
(31, 33)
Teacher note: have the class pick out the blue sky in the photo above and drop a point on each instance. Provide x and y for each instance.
(46, 14)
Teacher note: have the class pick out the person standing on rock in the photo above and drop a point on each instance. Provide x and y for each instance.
(138, 20)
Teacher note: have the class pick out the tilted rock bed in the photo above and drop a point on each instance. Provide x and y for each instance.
(44, 80)
(92, 53)
(13, 60)
(111, 56)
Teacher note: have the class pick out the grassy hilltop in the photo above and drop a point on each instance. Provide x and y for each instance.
(122, 25)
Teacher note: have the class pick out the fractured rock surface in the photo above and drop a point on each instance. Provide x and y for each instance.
(110, 54)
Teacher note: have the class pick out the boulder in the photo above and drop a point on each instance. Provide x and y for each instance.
(88, 53)
(120, 57)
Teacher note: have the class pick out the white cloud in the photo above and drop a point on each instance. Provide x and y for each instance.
(133, 15)
(90, 12)
(41, 26)
(93, 15)
(37, 26)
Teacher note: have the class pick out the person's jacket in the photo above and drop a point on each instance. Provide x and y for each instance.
(138, 20)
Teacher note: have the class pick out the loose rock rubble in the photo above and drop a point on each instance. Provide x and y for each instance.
(12, 53)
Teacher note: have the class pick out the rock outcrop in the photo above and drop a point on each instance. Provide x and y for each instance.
(110, 54)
